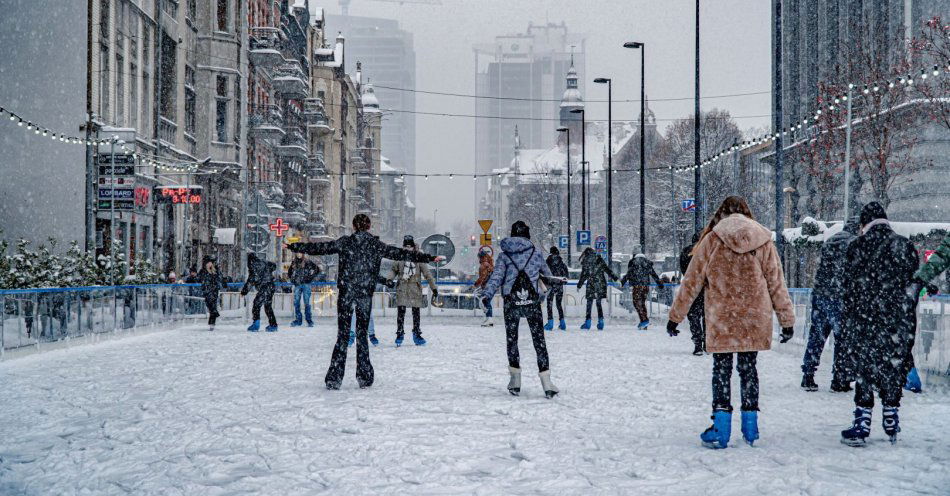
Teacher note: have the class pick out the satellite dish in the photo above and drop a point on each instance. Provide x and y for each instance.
(439, 245)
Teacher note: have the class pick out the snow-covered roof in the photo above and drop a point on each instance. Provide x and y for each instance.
(532, 161)
(370, 102)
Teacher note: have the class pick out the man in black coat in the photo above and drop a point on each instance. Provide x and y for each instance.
(260, 274)
(826, 298)
(556, 293)
(879, 318)
(360, 256)
(697, 313)
(639, 272)
(211, 285)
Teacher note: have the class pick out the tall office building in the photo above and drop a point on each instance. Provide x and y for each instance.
(389, 61)
(527, 71)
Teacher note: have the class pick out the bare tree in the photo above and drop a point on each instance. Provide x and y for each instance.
(932, 48)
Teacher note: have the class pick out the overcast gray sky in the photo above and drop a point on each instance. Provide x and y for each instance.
(735, 58)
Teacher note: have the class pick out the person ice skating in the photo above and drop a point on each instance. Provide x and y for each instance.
(260, 274)
(826, 313)
(409, 277)
(518, 269)
(639, 272)
(485, 267)
(360, 256)
(302, 273)
(739, 266)
(594, 273)
(211, 284)
(880, 319)
(923, 278)
(556, 293)
(696, 314)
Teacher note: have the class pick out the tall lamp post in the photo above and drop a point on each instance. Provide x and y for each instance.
(568, 131)
(610, 155)
(584, 222)
(697, 171)
(643, 210)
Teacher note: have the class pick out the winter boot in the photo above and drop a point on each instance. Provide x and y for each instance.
(372, 340)
(562, 325)
(352, 339)
(891, 423)
(399, 338)
(858, 434)
(808, 382)
(550, 390)
(549, 326)
(913, 381)
(839, 386)
(644, 325)
(418, 339)
(514, 383)
(296, 323)
(255, 326)
(698, 349)
(586, 325)
(717, 435)
(600, 324)
(271, 328)
(750, 426)
(309, 323)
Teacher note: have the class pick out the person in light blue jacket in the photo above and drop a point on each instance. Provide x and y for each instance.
(518, 270)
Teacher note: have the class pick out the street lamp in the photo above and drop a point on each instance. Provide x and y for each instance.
(643, 230)
(610, 155)
(568, 131)
(584, 221)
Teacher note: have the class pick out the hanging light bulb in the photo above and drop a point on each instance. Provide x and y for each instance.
(936, 71)
(923, 74)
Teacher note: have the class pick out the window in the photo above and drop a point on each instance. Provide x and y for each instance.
(221, 109)
(104, 19)
(237, 109)
(104, 81)
(192, 10)
(189, 100)
(133, 96)
(119, 90)
(169, 79)
(222, 17)
(146, 103)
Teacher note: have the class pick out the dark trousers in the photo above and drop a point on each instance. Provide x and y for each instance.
(639, 294)
(748, 380)
(212, 303)
(532, 313)
(600, 308)
(697, 321)
(401, 320)
(556, 296)
(886, 375)
(345, 307)
(265, 298)
(826, 321)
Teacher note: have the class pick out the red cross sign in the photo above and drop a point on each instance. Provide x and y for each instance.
(279, 227)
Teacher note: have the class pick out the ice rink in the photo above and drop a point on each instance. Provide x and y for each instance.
(188, 412)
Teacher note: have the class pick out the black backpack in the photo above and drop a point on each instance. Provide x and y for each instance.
(523, 294)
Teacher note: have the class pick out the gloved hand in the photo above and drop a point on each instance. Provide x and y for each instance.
(244, 292)
(671, 328)
(435, 293)
(787, 333)
(579, 287)
(932, 289)
(913, 289)
(391, 283)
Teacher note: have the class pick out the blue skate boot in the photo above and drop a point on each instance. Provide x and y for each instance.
(296, 323)
(750, 426)
(892, 424)
(549, 326)
(418, 340)
(600, 324)
(857, 435)
(271, 328)
(644, 325)
(717, 435)
(562, 325)
(913, 381)
(255, 326)
(372, 340)
(586, 325)
(399, 338)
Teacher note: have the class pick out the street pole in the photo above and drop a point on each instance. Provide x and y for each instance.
(673, 207)
(610, 155)
(568, 131)
(643, 150)
(112, 216)
(90, 215)
(847, 160)
(697, 172)
(584, 220)
(777, 127)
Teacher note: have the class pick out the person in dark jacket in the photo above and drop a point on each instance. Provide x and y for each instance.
(880, 320)
(360, 256)
(556, 293)
(594, 273)
(301, 273)
(518, 270)
(639, 272)
(211, 284)
(696, 314)
(260, 274)
(826, 312)
(938, 262)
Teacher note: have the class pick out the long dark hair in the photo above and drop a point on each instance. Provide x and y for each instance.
(731, 205)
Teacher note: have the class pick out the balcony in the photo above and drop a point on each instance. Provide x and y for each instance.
(364, 208)
(294, 144)
(265, 47)
(266, 122)
(290, 81)
(167, 131)
(273, 195)
(315, 116)
(316, 170)
(296, 208)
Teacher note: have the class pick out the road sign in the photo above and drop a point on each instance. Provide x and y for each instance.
(119, 170)
(485, 224)
(279, 227)
(562, 242)
(256, 238)
(583, 238)
(688, 205)
(485, 239)
(106, 193)
(118, 158)
(600, 243)
(439, 245)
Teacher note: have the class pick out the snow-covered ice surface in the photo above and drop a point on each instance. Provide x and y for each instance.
(191, 412)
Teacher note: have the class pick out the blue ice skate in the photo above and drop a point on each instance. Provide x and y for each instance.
(373, 340)
(296, 323)
(717, 435)
(271, 328)
(418, 340)
(309, 323)
(913, 381)
(352, 339)
(549, 326)
(857, 435)
(399, 338)
(643, 325)
(562, 325)
(255, 326)
(586, 325)
(891, 423)
(750, 426)
(600, 324)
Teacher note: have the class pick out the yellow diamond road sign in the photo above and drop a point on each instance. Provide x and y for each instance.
(485, 225)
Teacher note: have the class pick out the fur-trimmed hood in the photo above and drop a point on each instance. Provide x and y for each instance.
(742, 234)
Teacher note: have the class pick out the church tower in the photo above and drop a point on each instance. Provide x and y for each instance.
(571, 100)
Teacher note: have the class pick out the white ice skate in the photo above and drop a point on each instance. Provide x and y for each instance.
(550, 390)
(514, 384)
(488, 322)
(211, 328)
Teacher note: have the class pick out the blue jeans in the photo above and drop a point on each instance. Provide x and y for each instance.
(302, 291)
(372, 326)
(826, 320)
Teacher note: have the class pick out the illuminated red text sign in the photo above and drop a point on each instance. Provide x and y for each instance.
(178, 195)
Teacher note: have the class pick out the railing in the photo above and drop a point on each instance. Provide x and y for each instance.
(263, 38)
(265, 115)
(167, 131)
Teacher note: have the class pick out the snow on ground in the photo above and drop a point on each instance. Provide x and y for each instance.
(191, 412)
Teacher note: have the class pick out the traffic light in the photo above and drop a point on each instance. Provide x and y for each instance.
(472, 240)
